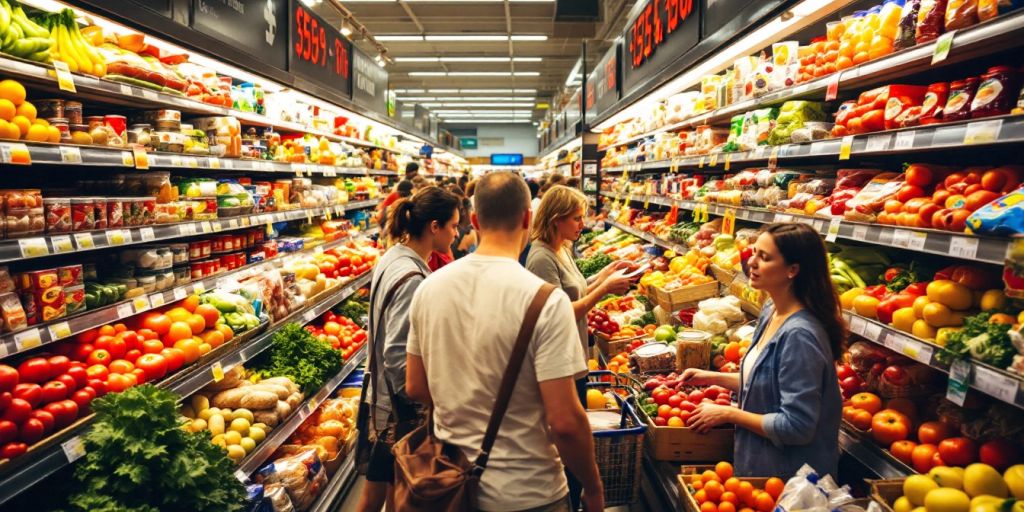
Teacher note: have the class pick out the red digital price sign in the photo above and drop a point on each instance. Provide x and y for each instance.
(657, 21)
(319, 53)
(659, 32)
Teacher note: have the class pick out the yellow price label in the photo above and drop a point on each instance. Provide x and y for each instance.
(218, 372)
(728, 161)
(141, 157)
(729, 221)
(270, 228)
(713, 160)
(700, 163)
(58, 331)
(65, 80)
(845, 147)
(773, 158)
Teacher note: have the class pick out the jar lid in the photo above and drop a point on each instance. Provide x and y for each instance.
(652, 349)
(693, 335)
(79, 127)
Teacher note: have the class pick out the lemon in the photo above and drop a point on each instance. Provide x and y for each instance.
(595, 399)
(916, 487)
(28, 110)
(947, 499)
(902, 504)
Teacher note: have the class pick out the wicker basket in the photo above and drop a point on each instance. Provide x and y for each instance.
(679, 298)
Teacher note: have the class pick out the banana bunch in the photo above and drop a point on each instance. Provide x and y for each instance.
(22, 37)
(71, 47)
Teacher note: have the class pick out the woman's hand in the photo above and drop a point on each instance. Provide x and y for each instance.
(696, 377)
(611, 267)
(708, 416)
(617, 283)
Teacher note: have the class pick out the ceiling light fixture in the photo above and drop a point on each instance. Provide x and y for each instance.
(474, 73)
(482, 104)
(345, 30)
(486, 121)
(464, 98)
(461, 37)
(468, 59)
(399, 38)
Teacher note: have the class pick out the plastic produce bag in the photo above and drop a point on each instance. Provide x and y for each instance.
(757, 125)
(302, 475)
(793, 115)
(806, 491)
(278, 496)
(931, 20)
(988, 9)
(866, 205)
(1002, 217)
(961, 14)
(906, 34)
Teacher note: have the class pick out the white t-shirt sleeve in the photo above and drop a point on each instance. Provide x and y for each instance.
(413, 341)
(556, 341)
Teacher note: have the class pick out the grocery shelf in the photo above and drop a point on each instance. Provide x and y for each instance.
(664, 244)
(945, 243)
(284, 430)
(871, 456)
(981, 39)
(45, 461)
(338, 486)
(991, 131)
(38, 247)
(61, 328)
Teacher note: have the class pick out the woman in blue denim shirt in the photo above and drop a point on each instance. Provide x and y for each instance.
(790, 404)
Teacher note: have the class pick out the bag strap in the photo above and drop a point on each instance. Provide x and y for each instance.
(388, 297)
(508, 380)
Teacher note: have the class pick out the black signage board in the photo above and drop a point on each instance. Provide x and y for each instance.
(369, 82)
(161, 6)
(318, 52)
(256, 27)
(603, 83)
(659, 31)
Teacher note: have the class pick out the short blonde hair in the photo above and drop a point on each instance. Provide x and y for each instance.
(558, 203)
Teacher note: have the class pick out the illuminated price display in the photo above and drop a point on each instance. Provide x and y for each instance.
(660, 32)
(319, 52)
(603, 83)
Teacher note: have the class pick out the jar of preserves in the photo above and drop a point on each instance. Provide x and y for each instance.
(933, 103)
(73, 111)
(61, 123)
(115, 213)
(141, 135)
(46, 109)
(958, 105)
(996, 92)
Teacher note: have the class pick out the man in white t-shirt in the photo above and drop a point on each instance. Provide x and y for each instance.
(464, 319)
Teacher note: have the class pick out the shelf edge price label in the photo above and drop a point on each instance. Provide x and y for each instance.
(878, 142)
(218, 372)
(59, 331)
(198, 288)
(833, 230)
(217, 227)
(959, 377)
(84, 240)
(70, 155)
(205, 226)
(241, 476)
(917, 351)
(917, 240)
(141, 157)
(125, 310)
(127, 90)
(728, 161)
(233, 223)
(832, 88)
(904, 140)
(214, 162)
(180, 293)
(963, 247)
(995, 384)
(857, 325)
(141, 303)
(713, 160)
(15, 154)
(773, 158)
(729, 221)
(157, 299)
(942, 46)
(25, 340)
(33, 247)
(115, 237)
(65, 80)
(872, 331)
(146, 234)
(860, 232)
(901, 238)
(982, 132)
(846, 147)
(73, 448)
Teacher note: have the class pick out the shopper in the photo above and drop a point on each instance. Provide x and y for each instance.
(463, 323)
(418, 225)
(402, 190)
(556, 225)
(573, 182)
(790, 405)
(412, 170)
(465, 241)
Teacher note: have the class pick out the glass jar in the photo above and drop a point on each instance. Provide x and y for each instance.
(995, 95)
(118, 124)
(46, 109)
(80, 135)
(958, 105)
(73, 111)
(142, 135)
(100, 212)
(62, 125)
(115, 213)
(182, 275)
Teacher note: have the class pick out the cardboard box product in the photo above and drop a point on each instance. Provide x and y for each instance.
(74, 298)
(71, 275)
(48, 304)
(683, 444)
(38, 280)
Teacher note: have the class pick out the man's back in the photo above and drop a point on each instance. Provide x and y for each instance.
(464, 321)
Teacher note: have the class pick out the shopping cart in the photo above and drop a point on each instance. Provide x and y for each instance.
(619, 451)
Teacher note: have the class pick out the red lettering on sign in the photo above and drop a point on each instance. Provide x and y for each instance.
(657, 20)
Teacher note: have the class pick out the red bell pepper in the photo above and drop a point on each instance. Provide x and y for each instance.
(878, 291)
(916, 289)
(890, 304)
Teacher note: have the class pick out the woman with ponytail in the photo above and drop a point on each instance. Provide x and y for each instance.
(416, 227)
(789, 400)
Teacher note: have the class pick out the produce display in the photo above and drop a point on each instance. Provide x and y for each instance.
(716, 489)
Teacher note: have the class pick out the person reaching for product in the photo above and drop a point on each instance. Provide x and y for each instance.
(457, 359)
(789, 400)
(416, 226)
(558, 222)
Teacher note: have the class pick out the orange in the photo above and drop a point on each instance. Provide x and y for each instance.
(178, 331)
(729, 497)
(107, 330)
(844, 62)
(213, 337)
(713, 490)
(709, 475)
(723, 470)
(41, 122)
(12, 91)
(695, 479)
(732, 484)
(732, 352)
(700, 496)
(37, 133)
(707, 506)
(28, 110)
(119, 327)
(188, 347)
(697, 485)
(9, 130)
(197, 323)
(226, 331)
(178, 314)
(725, 506)
(765, 502)
(746, 509)
(860, 58)
(774, 487)
(157, 322)
(54, 134)
(204, 348)
(744, 492)
(675, 421)
(23, 124)
(7, 109)
(209, 313)
(190, 303)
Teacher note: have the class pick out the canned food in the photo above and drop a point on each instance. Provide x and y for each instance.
(196, 270)
(207, 247)
(100, 212)
(227, 261)
(228, 242)
(210, 267)
(218, 244)
(195, 250)
(83, 214)
(57, 211)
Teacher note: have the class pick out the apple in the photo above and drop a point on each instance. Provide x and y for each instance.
(897, 375)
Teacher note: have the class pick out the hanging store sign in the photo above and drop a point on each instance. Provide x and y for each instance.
(318, 52)
(369, 83)
(603, 83)
(256, 27)
(660, 32)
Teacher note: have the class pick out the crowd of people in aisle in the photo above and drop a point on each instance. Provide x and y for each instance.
(469, 262)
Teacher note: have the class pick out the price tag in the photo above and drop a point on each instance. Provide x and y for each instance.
(115, 237)
(65, 80)
(140, 157)
(845, 147)
(176, 161)
(84, 240)
(70, 155)
(233, 223)
(180, 293)
(894, 342)
(217, 227)
(942, 47)
(218, 372)
(833, 230)
(127, 90)
(780, 217)
(198, 288)
(298, 169)
(312, 405)
(878, 142)
(15, 154)
(673, 166)
(963, 247)
(872, 331)
(917, 351)
(270, 229)
(246, 221)
(904, 140)
(73, 448)
(728, 161)
(773, 158)
(150, 95)
(58, 331)
(983, 132)
(126, 159)
(33, 247)
(125, 310)
(186, 229)
(25, 340)
(700, 163)
(860, 232)
(191, 162)
(995, 384)
(832, 89)
(857, 325)
(713, 160)
(729, 221)
(959, 376)
(704, 212)
(214, 162)
(817, 148)
(140, 303)
(205, 226)
(229, 164)
(901, 238)
(156, 300)
(146, 234)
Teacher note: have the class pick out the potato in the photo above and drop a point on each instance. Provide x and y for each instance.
(257, 399)
(248, 444)
(188, 412)
(261, 426)
(268, 418)
(199, 402)
(281, 391)
(281, 381)
(219, 440)
(240, 425)
(231, 437)
(198, 425)
(257, 434)
(283, 409)
(216, 424)
(206, 413)
(231, 379)
(294, 400)
(243, 413)
(228, 398)
(235, 452)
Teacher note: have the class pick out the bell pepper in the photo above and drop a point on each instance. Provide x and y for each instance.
(975, 278)
(890, 304)
(878, 291)
(916, 289)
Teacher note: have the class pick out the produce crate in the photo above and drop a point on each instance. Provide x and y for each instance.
(674, 300)
(683, 444)
(886, 492)
(610, 347)
(689, 503)
(722, 275)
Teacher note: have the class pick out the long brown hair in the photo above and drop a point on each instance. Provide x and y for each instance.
(412, 215)
(801, 245)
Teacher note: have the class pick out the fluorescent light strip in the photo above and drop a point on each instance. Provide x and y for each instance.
(474, 73)
(486, 121)
(467, 59)
(471, 104)
(463, 98)
(460, 38)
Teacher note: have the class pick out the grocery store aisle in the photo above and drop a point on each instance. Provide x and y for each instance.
(352, 498)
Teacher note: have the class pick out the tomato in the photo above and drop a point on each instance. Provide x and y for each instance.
(87, 336)
(958, 451)
(18, 411)
(903, 450)
(31, 431)
(660, 396)
(866, 401)
(140, 375)
(130, 340)
(99, 356)
(12, 450)
(8, 378)
(31, 393)
(53, 391)
(82, 352)
(919, 175)
(117, 347)
(933, 432)
(70, 408)
(144, 334)
(62, 416)
(8, 431)
(48, 421)
(889, 426)
(121, 366)
(861, 419)
(980, 198)
(36, 369)
(83, 397)
(97, 371)
(999, 453)
(117, 382)
(664, 411)
(696, 396)
(70, 381)
(59, 364)
(132, 355)
(5, 400)
(175, 358)
(923, 457)
(152, 346)
(154, 366)
(103, 342)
